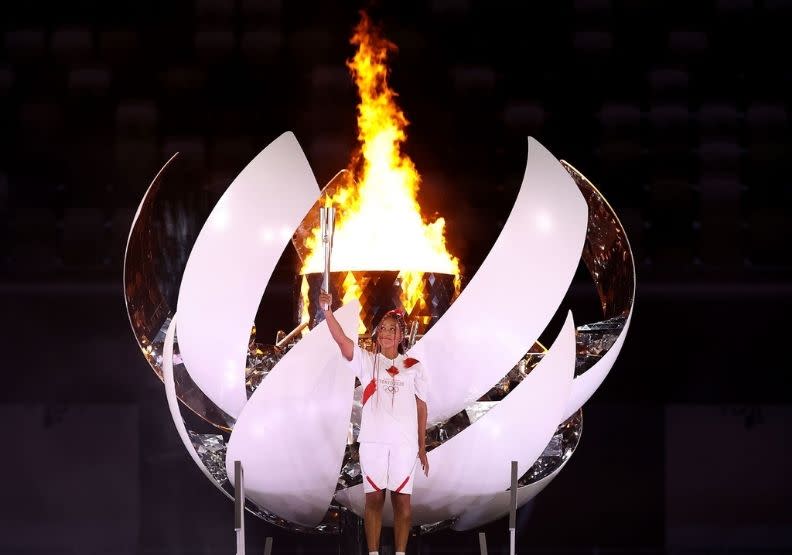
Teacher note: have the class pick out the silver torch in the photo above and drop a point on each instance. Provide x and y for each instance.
(327, 227)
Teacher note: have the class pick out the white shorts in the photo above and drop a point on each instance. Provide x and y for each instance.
(388, 466)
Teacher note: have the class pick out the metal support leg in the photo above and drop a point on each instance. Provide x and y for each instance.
(483, 543)
(239, 507)
(268, 546)
(513, 508)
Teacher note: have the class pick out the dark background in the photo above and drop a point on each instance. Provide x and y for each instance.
(678, 112)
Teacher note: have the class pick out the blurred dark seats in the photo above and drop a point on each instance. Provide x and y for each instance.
(678, 113)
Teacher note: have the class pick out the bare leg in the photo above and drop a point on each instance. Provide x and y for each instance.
(373, 519)
(402, 519)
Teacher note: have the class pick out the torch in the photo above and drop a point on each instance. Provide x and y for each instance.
(327, 228)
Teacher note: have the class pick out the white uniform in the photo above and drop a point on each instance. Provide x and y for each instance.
(389, 420)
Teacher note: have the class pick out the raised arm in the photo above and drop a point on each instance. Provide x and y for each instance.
(346, 345)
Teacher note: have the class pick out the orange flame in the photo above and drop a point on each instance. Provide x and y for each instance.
(379, 224)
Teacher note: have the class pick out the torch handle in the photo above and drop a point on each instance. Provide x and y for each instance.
(326, 276)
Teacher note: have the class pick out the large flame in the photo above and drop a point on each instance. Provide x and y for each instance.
(379, 224)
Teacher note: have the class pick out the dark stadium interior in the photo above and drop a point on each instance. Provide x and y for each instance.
(679, 112)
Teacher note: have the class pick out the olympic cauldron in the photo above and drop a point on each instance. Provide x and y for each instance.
(424, 296)
(195, 273)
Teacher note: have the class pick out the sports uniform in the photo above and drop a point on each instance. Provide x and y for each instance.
(389, 420)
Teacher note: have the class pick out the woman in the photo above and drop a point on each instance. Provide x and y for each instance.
(393, 422)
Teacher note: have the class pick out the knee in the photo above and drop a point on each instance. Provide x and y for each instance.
(401, 504)
(375, 500)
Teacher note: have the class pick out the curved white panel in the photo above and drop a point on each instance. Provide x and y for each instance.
(231, 263)
(173, 403)
(515, 292)
(469, 467)
(291, 435)
(584, 386)
(486, 510)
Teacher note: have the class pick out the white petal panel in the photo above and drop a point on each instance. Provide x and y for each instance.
(231, 263)
(486, 510)
(475, 463)
(515, 292)
(584, 386)
(173, 403)
(291, 435)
